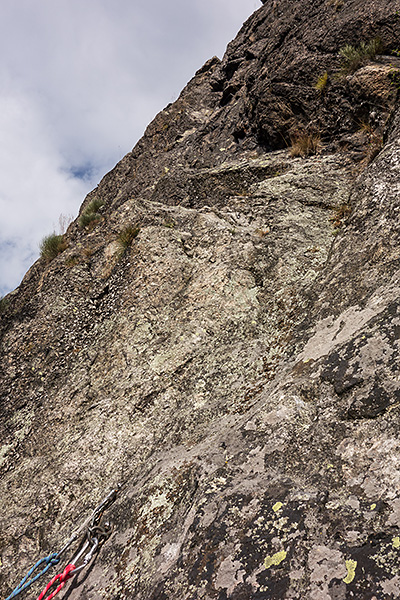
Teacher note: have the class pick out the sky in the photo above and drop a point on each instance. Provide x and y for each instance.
(79, 82)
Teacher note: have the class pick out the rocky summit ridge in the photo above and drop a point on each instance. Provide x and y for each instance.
(219, 333)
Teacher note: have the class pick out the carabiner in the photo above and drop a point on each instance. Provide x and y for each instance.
(98, 512)
(102, 531)
(88, 557)
(94, 518)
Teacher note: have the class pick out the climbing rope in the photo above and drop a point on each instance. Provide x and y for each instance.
(52, 559)
(62, 578)
(95, 535)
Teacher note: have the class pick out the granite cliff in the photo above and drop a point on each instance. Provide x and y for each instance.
(220, 335)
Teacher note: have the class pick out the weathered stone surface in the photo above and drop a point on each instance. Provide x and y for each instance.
(236, 367)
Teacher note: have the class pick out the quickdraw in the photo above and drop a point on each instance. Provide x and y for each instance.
(96, 534)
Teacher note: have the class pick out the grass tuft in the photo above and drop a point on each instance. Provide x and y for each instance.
(354, 57)
(86, 219)
(90, 215)
(305, 143)
(51, 246)
(322, 82)
(126, 236)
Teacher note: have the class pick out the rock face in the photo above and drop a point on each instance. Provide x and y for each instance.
(233, 361)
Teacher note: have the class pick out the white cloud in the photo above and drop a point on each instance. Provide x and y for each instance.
(34, 189)
(80, 81)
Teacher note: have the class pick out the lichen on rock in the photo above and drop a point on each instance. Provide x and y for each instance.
(235, 367)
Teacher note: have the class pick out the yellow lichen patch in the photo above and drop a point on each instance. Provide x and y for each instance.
(351, 566)
(275, 559)
(277, 506)
(396, 542)
(373, 506)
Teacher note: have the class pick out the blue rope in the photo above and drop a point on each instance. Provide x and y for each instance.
(55, 557)
(50, 560)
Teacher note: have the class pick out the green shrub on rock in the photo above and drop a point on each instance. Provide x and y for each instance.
(91, 213)
(355, 57)
(51, 246)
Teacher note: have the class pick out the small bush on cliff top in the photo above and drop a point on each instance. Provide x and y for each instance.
(51, 246)
(90, 214)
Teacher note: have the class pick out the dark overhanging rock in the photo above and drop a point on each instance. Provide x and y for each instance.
(236, 367)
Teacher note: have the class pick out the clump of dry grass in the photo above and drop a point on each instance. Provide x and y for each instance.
(340, 215)
(126, 236)
(51, 246)
(305, 143)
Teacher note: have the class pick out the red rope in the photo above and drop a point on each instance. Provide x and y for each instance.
(62, 577)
